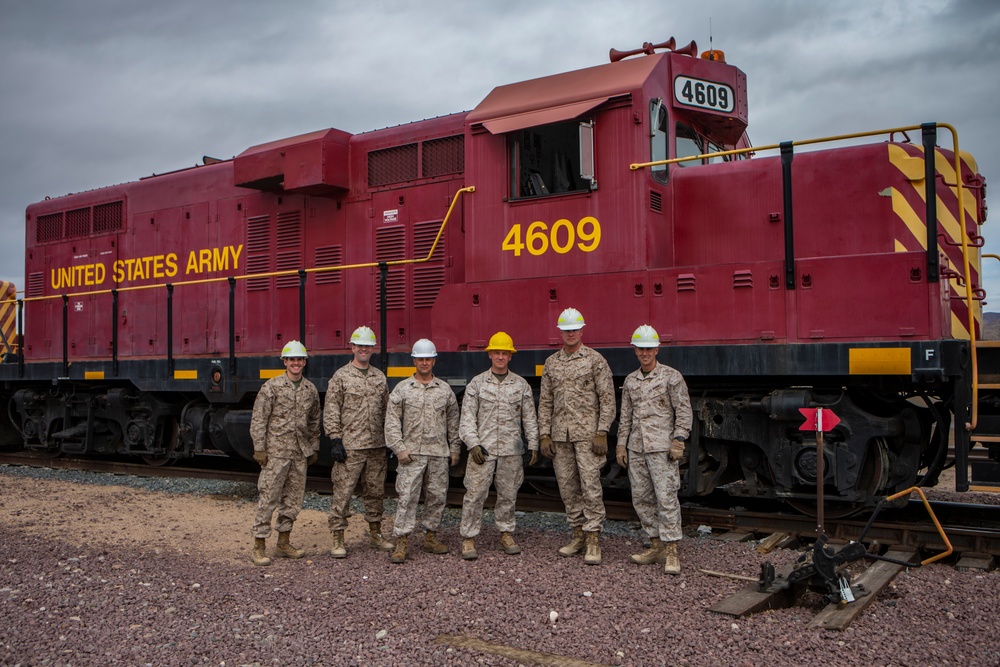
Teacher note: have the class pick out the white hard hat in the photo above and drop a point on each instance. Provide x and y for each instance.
(424, 349)
(570, 320)
(293, 348)
(363, 336)
(645, 336)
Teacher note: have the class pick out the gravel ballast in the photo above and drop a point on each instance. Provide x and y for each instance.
(107, 570)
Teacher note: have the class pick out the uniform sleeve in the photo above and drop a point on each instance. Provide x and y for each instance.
(468, 426)
(262, 406)
(314, 419)
(394, 422)
(529, 422)
(545, 404)
(625, 419)
(683, 418)
(605, 385)
(454, 442)
(331, 411)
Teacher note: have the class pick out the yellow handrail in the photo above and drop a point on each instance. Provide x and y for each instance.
(289, 272)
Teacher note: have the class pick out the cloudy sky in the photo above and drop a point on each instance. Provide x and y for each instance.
(106, 91)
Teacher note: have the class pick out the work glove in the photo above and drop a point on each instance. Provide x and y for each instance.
(621, 455)
(312, 459)
(676, 449)
(600, 446)
(337, 450)
(261, 458)
(534, 458)
(547, 450)
(478, 454)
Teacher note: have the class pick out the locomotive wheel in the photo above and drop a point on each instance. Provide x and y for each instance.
(872, 479)
(171, 431)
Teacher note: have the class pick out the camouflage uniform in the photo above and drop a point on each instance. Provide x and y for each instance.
(655, 410)
(285, 424)
(355, 412)
(422, 419)
(493, 413)
(577, 400)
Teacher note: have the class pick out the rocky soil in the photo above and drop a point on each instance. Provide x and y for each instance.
(96, 574)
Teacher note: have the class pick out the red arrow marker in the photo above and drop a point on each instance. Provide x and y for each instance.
(830, 420)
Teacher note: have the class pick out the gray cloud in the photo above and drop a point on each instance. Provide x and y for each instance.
(108, 91)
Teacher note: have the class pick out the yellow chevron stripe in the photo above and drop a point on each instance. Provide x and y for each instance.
(913, 168)
(958, 328)
(905, 212)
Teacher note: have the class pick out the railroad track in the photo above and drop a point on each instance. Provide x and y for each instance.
(970, 528)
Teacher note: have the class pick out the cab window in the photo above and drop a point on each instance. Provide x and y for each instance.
(550, 159)
(658, 142)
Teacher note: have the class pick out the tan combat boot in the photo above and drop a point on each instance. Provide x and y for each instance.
(508, 544)
(654, 554)
(576, 545)
(285, 549)
(433, 545)
(259, 554)
(339, 550)
(593, 555)
(375, 539)
(672, 564)
(399, 553)
(469, 549)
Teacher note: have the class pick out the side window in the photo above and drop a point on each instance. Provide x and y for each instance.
(691, 143)
(658, 138)
(688, 144)
(547, 160)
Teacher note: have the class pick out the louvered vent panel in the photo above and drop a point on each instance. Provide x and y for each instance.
(443, 156)
(289, 230)
(49, 227)
(78, 222)
(390, 245)
(258, 251)
(290, 260)
(428, 277)
(686, 282)
(108, 217)
(36, 284)
(742, 279)
(392, 165)
(332, 255)
(655, 201)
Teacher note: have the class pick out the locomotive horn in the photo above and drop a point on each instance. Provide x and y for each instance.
(669, 44)
(648, 48)
(615, 55)
(689, 50)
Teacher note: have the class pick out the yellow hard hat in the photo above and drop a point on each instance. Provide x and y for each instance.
(501, 342)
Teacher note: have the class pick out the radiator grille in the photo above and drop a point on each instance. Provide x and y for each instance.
(332, 255)
(392, 165)
(390, 245)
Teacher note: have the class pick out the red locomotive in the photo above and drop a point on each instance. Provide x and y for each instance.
(154, 310)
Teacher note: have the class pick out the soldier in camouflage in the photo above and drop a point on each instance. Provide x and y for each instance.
(655, 422)
(285, 433)
(421, 428)
(575, 410)
(496, 406)
(354, 419)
